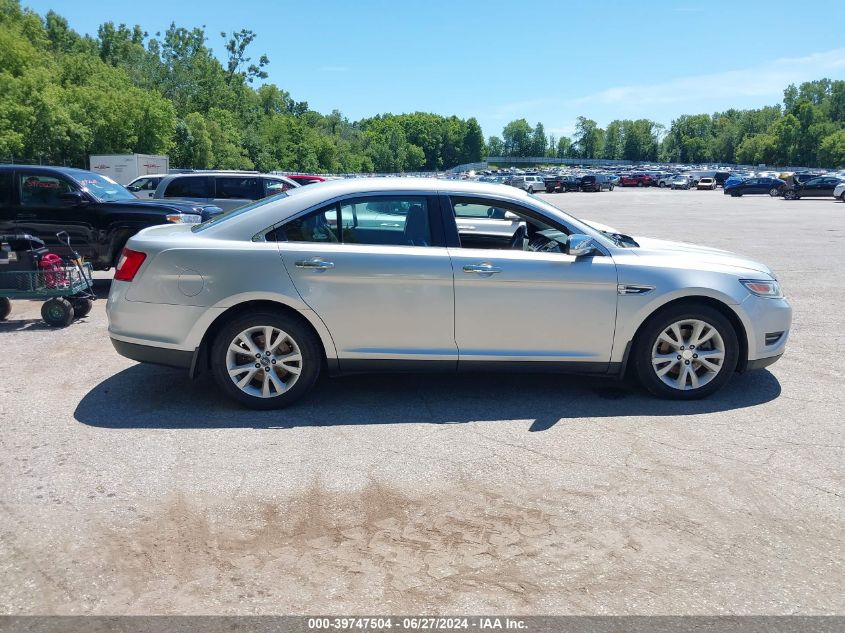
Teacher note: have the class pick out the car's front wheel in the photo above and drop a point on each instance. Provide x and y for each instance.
(686, 352)
(266, 360)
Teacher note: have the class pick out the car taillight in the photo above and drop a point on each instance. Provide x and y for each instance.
(128, 264)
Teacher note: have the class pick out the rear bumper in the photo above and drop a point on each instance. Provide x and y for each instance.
(156, 355)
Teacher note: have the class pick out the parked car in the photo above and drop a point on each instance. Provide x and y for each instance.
(145, 186)
(98, 214)
(758, 185)
(721, 177)
(225, 189)
(306, 179)
(839, 190)
(706, 183)
(596, 182)
(636, 180)
(274, 293)
(681, 182)
(528, 183)
(666, 180)
(821, 187)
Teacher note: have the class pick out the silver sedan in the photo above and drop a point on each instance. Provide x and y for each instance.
(416, 274)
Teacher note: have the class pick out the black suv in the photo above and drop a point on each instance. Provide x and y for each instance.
(561, 183)
(98, 214)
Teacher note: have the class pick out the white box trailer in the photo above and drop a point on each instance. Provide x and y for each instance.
(124, 168)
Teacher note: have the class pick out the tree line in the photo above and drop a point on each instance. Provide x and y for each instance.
(807, 129)
(64, 96)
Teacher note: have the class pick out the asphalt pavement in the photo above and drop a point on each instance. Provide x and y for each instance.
(129, 489)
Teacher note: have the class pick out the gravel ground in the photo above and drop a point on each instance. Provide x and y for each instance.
(128, 489)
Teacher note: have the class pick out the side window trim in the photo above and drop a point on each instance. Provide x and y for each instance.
(436, 213)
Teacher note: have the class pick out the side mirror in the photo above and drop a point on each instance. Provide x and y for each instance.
(72, 198)
(580, 245)
(511, 216)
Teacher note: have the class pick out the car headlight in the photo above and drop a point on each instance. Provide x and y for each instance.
(763, 287)
(184, 218)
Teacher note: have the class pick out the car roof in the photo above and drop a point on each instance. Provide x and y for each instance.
(255, 218)
(70, 171)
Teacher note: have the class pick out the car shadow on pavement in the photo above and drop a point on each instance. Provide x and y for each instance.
(145, 396)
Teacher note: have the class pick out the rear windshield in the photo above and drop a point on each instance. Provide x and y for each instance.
(217, 219)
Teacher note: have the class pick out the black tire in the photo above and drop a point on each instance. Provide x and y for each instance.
(550, 189)
(661, 184)
(611, 187)
(530, 189)
(303, 336)
(661, 320)
(5, 308)
(57, 312)
(842, 197)
(81, 307)
(639, 184)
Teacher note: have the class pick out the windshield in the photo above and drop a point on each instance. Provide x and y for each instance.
(103, 188)
(578, 225)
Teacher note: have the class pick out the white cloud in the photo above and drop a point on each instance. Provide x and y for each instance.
(766, 80)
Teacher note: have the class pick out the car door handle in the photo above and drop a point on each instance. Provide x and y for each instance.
(393, 225)
(26, 216)
(482, 269)
(315, 264)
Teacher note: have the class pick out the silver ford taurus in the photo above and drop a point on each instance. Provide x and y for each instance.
(421, 274)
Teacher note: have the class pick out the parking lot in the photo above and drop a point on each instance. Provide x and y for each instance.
(129, 489)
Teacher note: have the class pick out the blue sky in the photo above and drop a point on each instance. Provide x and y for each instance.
(547, 61)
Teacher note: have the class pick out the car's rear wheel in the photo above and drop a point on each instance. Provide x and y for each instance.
(842, 197)
(686, 352)
(266, 360)
(774, 192)
(530, 189)
(5, 308)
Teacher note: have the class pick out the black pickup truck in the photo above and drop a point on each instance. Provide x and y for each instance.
(98, 214)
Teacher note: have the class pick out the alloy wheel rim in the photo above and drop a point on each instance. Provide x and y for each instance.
(688, 354)
(264, 361)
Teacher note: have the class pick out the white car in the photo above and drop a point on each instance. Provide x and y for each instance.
(839, 191)
(145, 186)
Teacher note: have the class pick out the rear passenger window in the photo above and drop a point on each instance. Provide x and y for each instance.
(317, 226)
(6, 188)
(230, 187)
(188, 187)
(387, 220)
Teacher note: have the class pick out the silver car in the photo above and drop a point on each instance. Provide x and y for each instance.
(377, 274)
(225, 189)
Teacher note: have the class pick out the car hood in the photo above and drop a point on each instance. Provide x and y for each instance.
(695, 254)
(180, 206)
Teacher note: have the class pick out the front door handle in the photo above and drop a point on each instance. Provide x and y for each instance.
(482, 269)
(26, 216)
(314, 264)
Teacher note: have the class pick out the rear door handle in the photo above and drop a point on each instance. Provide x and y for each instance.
(314, 264)
(482, 269)
(26, 216)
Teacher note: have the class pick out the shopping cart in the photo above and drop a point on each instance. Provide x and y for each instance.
(65, 285)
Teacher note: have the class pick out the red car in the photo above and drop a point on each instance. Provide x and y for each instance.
(636, 180)
(306, 179)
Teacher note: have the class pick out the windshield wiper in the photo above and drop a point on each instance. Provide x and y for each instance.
(621, 239)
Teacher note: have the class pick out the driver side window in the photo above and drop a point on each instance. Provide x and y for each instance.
(39, 190)
(492, 224)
